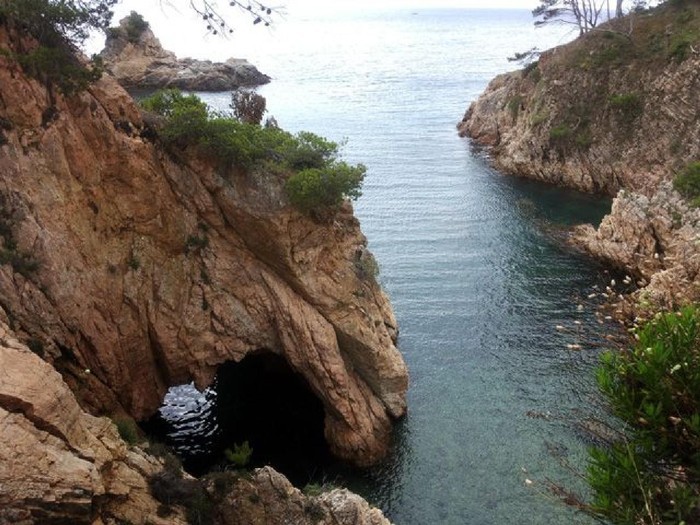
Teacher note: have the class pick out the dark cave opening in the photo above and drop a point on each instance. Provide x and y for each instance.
(260, 400)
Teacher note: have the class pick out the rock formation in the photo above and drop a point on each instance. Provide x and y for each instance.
(137, 60)
(604, 113)
(269, 499)
(59, 464)
(150, 272)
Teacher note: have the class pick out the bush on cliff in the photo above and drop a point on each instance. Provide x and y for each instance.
(687, 183)
(56, 26)
(318, 181)
(653, 475)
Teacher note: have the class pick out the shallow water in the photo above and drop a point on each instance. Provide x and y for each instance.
(469, 257)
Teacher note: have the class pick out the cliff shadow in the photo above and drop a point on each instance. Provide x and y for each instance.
(260, 400)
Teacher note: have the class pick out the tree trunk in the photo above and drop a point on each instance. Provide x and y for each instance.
(618, 8)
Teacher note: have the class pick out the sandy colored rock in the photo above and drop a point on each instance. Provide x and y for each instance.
(58, 463)
(152, 272)
(141, 62)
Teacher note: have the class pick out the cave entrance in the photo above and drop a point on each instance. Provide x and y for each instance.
(260, 400)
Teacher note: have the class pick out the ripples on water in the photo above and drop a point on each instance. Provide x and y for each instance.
(476, 280)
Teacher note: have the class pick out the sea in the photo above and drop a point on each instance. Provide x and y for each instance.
(473, 261)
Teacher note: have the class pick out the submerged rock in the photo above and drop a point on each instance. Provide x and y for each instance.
(136, 58)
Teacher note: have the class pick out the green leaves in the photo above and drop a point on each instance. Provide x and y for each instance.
(654, 388)
(318, 181)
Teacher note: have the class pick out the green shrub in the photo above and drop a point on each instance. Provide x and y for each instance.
(560, 133)
(513, 106)
(128, 430)
(135, 26)
(240, 455)
(687, 183)
(628, 106)
(248, 106)
(653, 476)
(56, 26)
(319, 181)
(313, 190)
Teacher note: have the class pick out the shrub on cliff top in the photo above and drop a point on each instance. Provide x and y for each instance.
(687, 183)
(318, 181)
(653, 476)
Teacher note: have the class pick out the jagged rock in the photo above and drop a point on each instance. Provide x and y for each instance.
(267, 498)
(58, 463)
(138, 60)
(123, 290)
(656, 239)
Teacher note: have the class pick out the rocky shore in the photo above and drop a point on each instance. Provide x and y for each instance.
(616, 115)
(137, 59)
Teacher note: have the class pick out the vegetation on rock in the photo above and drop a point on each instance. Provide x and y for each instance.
(652, 476)
(318, 181)
(687, 183)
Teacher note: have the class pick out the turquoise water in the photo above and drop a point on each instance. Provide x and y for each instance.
(470, 259)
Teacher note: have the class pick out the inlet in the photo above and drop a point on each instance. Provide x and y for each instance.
(260, 400)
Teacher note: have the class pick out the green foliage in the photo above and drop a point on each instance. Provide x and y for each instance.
(366, 266)
(312, 190)
(248, 106)
(654, 477)
(687, 183)
(240, 455)
(135, 26)
(628, 106)
(319, 181)
(127, 429)
(57, 25)
(59, 67)
(513, 106)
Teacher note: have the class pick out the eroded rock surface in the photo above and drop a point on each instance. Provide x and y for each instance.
(138, 60)
(151, 272)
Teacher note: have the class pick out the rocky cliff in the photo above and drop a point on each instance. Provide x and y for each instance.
(129, 272)
(616, 109)
(59, 464)
(136, 58)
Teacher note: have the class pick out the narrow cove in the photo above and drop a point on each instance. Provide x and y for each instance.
(477, 279)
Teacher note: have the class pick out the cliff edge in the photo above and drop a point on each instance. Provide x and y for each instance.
(616, 109)
(137, 59)
(129, 271)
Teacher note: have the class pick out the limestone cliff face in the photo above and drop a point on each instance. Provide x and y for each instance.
(151, 272)
(604, 113)
(141, 62)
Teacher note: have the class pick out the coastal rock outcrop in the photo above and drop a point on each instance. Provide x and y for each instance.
(267, 498)
(150, 271)
(59, 464)
(136, 58)
(613, 110)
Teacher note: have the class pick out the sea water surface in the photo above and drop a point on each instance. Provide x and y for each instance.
(470, 259)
